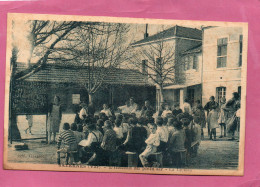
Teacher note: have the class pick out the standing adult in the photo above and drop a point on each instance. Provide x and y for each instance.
(132, 105)
(209, 106)
(55, 115)
(198, 112)
(231, 107)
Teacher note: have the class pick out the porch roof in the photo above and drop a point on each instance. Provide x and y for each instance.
(179, 86)
(71, 74)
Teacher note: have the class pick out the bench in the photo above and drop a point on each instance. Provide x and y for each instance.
(195, 147)
(132, 159)
(159, 158)
(68, 155)
(182, 153)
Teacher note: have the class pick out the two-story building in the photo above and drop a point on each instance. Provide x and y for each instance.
(186, 44)
(222, 62)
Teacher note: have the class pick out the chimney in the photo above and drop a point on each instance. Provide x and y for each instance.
(146, 33)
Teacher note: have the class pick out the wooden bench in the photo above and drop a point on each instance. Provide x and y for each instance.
(159, 158)
(132, 159)
(194, 147)
(68, 155)
(183, 157)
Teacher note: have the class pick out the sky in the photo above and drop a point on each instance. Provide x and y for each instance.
(21, 33)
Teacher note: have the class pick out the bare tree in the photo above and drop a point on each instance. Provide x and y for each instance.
(158, 61)
(97, 48)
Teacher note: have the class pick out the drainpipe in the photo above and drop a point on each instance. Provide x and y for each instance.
(202, 52)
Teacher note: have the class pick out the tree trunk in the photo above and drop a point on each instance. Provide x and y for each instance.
(13, 131)
(161, 94)
(90, 98)
(161, 99)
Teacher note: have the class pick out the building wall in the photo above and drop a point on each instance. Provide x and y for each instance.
(229, 76)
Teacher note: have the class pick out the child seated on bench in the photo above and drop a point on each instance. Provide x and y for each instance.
(69, 141)
(152, 142)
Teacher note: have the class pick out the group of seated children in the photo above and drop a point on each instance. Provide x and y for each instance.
(104, 139)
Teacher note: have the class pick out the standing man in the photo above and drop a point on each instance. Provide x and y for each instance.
(209, 106)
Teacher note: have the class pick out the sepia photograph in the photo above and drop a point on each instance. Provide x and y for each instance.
(128, 95)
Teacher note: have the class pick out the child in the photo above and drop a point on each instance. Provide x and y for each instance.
(166, 111)
(100, 124)
(73, 127)
(176, 110)
(176, 143)
(163, 134)
(106, 110)
(69, 141)
(78, 132)
(152, 142)
(196, 134)
(212, 120)
(188, 135)
(170, 126)
(119, 131)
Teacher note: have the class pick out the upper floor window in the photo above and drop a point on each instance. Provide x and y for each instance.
(240, 50)
(144, 66)
(190, 62)
(222, 53)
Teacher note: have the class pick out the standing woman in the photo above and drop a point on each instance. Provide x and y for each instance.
(54, 119)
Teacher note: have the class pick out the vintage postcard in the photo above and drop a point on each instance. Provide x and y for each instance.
(106, 94)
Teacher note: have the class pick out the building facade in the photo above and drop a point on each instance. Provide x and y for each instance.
(186, 44)
(222, 62)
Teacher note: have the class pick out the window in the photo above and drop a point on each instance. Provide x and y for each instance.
(222, 53)
(190, 62)
(75, 99)
(144, 66)
(240, 50)
(195, 62)
(220, 92)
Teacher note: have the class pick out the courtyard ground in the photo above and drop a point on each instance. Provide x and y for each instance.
(220, 154)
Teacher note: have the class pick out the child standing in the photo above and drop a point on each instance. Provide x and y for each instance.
(119, 131)
(212, 120)
(152, 142)
(163, 134)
